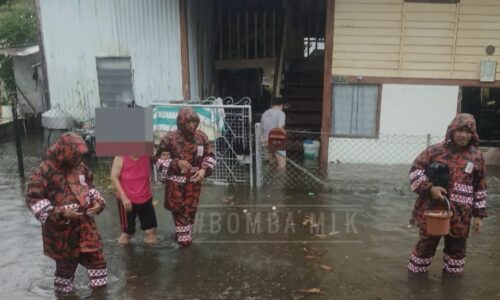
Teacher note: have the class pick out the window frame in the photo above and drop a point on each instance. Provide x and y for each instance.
(433, 1)
(377, 113)
(104, 58)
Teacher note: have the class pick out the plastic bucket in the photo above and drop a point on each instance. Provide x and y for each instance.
(311, 149)
(438, 221)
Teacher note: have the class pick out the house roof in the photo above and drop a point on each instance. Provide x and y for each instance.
(20, 51)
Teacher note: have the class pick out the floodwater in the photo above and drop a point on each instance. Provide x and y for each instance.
(258, 244)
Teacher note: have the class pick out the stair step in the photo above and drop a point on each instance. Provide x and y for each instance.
(301, 119)
(289, 74)
(316, 73)
(304, 128)
(304, 124)
(303, 97)
(303, 90)
(303, 109)
(311, 64)
(303, 83)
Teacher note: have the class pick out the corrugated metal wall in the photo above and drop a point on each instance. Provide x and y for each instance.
(201, 39)
(76, 32)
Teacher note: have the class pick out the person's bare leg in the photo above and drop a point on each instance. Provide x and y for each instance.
(280, 162)
(124, 239)
(150, 236)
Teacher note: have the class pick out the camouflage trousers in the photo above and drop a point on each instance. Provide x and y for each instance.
(425, 249)
(65, 271)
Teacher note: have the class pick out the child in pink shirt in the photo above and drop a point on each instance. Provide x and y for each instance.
(131, 178)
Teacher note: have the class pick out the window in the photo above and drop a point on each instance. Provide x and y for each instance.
(355, 110)
(114, 76)
(314, 46)
(433, 1)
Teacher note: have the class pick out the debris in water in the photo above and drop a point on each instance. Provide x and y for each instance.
(326, 267)
(311, 291)
(321, 235)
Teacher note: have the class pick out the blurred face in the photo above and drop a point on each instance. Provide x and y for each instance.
(191, 126)
(75, 161)
(462, 137)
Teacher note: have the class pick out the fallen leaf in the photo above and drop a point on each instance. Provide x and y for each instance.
(311, 257)
(326, 267)
(311, 291)
(333, 233)
(224, 200)
(321, 235)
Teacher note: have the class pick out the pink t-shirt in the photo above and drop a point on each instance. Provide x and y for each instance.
(134, 179)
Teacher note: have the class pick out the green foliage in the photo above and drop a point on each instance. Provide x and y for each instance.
(18, 27)
(18, 24)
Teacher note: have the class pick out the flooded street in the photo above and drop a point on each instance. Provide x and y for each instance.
(353, 243)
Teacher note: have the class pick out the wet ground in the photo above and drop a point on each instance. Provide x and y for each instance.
(350, 244)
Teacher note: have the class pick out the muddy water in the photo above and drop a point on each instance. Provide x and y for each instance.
(271, 244)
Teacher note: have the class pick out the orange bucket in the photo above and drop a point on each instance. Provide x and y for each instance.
(438, 221)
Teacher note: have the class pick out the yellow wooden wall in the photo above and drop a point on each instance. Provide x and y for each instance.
(391, 38)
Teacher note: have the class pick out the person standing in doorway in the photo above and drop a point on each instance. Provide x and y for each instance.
(272, 118)
(131, 177)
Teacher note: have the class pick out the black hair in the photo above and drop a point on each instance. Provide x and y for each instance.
(277, 101)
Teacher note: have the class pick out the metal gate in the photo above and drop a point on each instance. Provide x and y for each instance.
(302, 171)
(228, 125)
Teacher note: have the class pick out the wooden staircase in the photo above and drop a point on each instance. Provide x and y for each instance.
(303, 93)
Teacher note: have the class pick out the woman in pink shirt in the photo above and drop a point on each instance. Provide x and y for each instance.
(131, 177)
